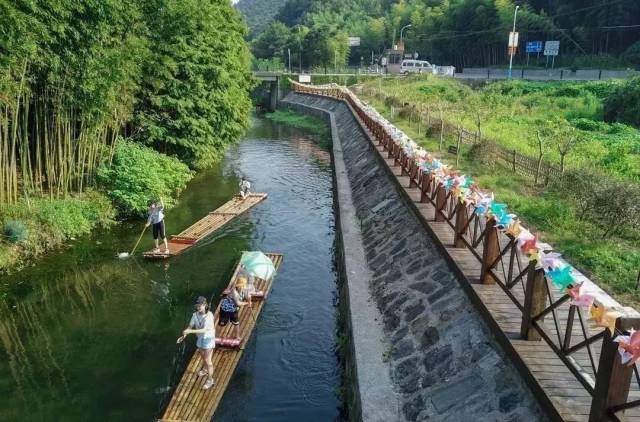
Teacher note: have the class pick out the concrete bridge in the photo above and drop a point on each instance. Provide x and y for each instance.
(273, 80)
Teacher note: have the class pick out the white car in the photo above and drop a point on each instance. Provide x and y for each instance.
(416, 66)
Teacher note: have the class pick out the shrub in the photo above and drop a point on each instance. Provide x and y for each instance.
(632, 54)
(618, 206)
(623, 105)
(139, 174)
(15, 231)
(581, 186)
(73, 216)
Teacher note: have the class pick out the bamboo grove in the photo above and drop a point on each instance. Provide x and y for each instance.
(77, 76)
(48, 148)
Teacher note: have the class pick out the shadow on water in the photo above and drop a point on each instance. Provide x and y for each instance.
(85, 336)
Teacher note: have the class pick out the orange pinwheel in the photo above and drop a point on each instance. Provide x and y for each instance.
(529, 246)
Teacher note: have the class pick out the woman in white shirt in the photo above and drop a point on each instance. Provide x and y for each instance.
(202, 324)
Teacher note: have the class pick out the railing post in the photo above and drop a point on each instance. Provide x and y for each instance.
(441, 202)
(403, 164)
(425, 183)
(490, 251)
(535, 300)
(613, 379)
(413, 174)
(462, 217)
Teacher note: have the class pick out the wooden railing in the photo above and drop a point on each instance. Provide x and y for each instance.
(559, 317)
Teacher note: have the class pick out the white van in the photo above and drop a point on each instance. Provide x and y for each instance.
(415, 66)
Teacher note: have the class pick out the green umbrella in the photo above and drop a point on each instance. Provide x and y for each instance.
(258, 265)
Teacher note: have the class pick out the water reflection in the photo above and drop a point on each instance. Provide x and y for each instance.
(85, 336)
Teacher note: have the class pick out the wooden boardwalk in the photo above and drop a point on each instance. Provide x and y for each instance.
(190, 402)
(207, 225)
(554, 380)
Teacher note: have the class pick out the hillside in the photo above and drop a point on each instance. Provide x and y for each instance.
(463, 33)
(259, 13)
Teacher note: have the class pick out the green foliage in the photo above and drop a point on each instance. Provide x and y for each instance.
(49, 222)
(624, 104)
(259, 13)
(195, 99)
(15, 231)
(273, 42)
(513, 112)
(139, 174)
(74, 216)
(467, 33)
(301, 121)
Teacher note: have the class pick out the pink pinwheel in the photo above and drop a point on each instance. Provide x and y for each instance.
(549, 260)
(629, 347)
(583, 301)
(580, 300)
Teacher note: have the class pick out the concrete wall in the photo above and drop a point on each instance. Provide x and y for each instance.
(419, 345)
(544, 74)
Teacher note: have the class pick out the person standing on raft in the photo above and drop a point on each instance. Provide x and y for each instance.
(202, 324)
(245, 185)
(156, 218)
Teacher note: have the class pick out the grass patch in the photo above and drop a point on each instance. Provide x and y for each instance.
(511, 112)
(298, 120)
(47, 223)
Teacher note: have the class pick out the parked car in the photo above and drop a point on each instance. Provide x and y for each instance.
(415, 66)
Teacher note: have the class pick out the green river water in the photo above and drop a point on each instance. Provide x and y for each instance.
(85, 336)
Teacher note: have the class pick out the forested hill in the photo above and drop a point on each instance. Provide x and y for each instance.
(259, 13)
(459, 32)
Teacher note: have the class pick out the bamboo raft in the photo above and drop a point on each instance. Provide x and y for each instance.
(190, 402)
(207, 225)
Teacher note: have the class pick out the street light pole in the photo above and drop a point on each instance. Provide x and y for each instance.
(300, 50)
(513, 49)
(402, 29)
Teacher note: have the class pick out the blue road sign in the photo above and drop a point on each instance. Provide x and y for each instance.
(534, 47)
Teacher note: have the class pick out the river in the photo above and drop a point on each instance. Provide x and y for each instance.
(86, 336)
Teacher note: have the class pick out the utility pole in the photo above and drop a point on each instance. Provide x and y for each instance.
(513, 49)
(289, 53)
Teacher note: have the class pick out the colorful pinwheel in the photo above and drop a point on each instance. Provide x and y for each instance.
(629, 347)
(562, 277)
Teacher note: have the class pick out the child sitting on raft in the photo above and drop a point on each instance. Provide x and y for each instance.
(245, 185)
(229, 310)
(246, 286)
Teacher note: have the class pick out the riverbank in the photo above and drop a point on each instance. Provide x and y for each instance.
(36, 225)
(410, 319)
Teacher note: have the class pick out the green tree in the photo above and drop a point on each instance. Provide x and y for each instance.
(195, 97)
(326, 46)
(273, 42)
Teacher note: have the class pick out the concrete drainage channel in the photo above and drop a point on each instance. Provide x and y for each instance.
(418, 348)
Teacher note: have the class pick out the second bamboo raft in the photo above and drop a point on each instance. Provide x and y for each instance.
(207, 225)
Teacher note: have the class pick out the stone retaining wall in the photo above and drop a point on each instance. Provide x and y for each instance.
(432, 346)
